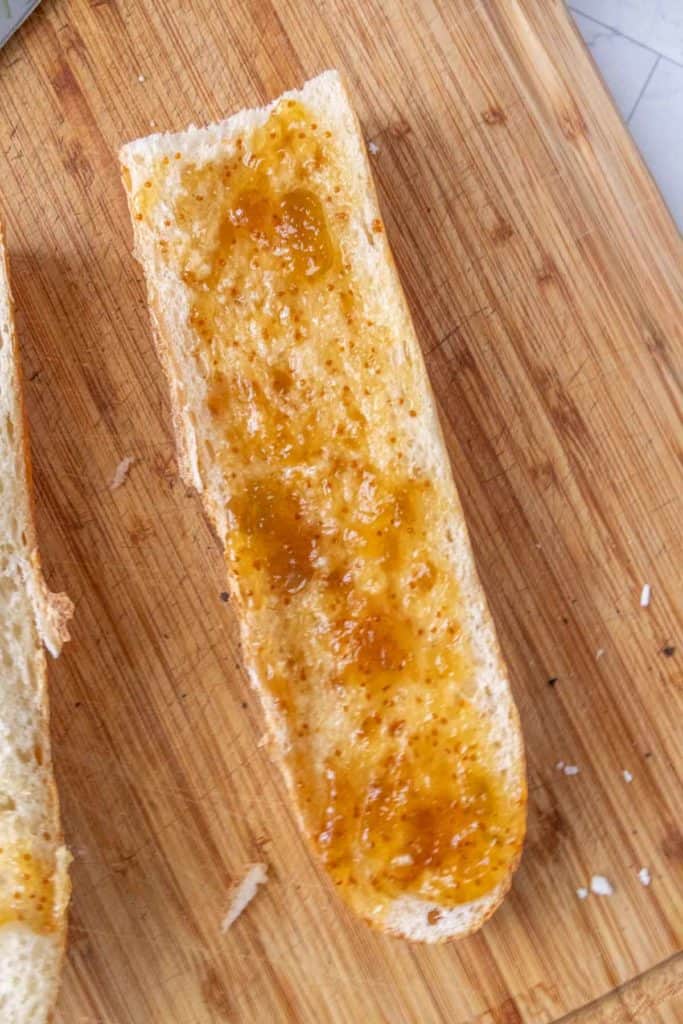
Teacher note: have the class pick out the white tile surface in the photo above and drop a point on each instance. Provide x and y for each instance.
(655, 23)
(12, 13)
(638, 47)
(624, 65)
(657, 127)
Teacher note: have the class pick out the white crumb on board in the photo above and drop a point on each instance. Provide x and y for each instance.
(582, 892)
(559, 765)
(601, 886)
(571, 769)
(645, 595)
(243, 893)
(628, 776)
(121, 473)
(645, 876)
(373, 148)
(600, 652)
(141, 78)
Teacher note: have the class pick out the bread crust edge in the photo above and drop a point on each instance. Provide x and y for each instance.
(52, 612)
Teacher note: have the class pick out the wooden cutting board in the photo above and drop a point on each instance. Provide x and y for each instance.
(545, 277)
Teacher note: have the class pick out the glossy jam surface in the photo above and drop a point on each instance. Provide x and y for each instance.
(338, 540)
(26, 890)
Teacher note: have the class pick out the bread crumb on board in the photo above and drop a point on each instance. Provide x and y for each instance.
(645, 595)
(628, 776)
(582, 892)
(243, 893)
(601, 886)
(373, 148)
(645, 876)
(121, 473)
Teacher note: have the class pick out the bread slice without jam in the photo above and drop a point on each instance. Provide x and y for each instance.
(34, 882)
(304, 417)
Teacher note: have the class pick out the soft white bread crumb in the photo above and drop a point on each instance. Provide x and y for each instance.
(243, 893)
(29, 813)
(121, 473)
(601, 886)
(196, 434)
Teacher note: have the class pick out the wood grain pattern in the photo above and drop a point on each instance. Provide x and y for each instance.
(655, 997)
(545, 278)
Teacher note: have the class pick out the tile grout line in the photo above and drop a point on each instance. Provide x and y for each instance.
(622, 35)
(642, 91)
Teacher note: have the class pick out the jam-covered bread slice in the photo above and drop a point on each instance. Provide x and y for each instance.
(34, 882)
(304, 416)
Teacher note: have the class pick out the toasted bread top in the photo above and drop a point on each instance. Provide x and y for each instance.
(305, 418)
